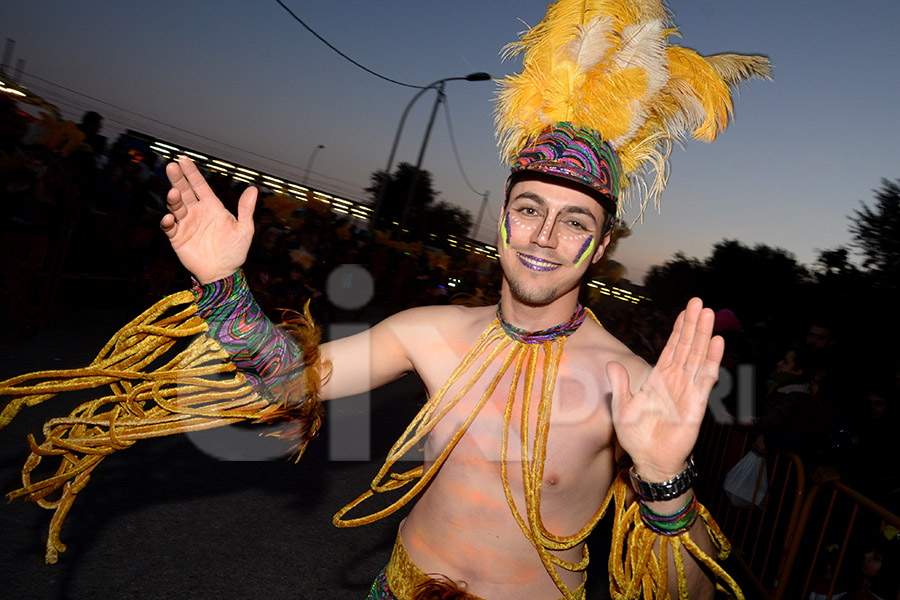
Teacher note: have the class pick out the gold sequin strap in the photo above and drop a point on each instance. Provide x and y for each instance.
(492, 342)
(533, 468)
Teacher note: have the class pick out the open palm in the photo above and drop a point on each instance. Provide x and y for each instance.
(658, 425)
(209, 241)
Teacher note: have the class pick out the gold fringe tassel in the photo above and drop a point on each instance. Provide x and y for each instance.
(635, 570)
(155, 389)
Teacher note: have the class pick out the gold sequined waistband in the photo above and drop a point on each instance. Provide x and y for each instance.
(403, 576)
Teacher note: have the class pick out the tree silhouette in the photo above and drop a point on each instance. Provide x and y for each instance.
(876, 233)
(443, 217)
(409, 190)
(761, 283)
(756, 283)
(677, 280)
(834, 260)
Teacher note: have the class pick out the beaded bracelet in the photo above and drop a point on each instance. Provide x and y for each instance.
(670, 525)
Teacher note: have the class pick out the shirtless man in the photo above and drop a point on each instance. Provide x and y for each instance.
(606, 399)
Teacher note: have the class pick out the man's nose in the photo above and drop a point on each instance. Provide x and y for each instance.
(545, 235)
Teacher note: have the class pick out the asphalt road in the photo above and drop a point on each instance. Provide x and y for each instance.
(167, 518)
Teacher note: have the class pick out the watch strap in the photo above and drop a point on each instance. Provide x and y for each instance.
(666, 490)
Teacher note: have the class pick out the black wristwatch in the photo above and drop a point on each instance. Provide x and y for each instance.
(666, 490)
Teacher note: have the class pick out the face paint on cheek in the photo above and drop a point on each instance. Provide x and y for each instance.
(504, 231)
(586, 249)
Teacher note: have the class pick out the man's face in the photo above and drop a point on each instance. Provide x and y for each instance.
(871, 563)
(549, 236)
(818, 338)
(788, 363)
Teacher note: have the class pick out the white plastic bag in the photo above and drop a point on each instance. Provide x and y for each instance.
(740, 482)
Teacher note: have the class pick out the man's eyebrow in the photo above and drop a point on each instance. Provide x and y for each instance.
(532, 196)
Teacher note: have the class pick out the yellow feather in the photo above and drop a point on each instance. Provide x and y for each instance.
(606, 65)
(600, 106)
(714, 93)
(734, 68)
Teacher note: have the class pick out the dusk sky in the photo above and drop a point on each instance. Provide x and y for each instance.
(243, 80)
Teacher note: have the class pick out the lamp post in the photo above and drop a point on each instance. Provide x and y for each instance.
(477, 226)
(439, 85)
(309, 163)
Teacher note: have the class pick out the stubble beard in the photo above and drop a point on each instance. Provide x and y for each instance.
(531, 297)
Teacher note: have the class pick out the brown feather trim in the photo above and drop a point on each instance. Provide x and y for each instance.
(299, 412)
(441, 588)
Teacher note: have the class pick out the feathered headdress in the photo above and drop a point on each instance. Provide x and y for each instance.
(600, 85)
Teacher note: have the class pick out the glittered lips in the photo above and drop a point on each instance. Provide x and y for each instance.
(537, 264)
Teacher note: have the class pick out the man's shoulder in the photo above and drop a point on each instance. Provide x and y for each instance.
(448, 312)
(451, 320)
(604, 347)
(595, 335)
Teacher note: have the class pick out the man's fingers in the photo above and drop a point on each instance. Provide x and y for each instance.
(169, 225)
(173, 172)
(619, 383)
(197, 183)
(668, 352)
(709, 373)
(700, 343)
(175, 204)
(246, 206)
(688, 331)
(177, 179)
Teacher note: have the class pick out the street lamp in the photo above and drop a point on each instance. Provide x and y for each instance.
(477, 226)
(309, 163)
(439, 85)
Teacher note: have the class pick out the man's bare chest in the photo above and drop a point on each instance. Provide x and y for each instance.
(512, 406)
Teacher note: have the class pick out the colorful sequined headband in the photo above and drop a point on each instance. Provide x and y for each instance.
(577, 154)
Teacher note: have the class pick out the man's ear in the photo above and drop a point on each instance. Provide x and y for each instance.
(601, 247)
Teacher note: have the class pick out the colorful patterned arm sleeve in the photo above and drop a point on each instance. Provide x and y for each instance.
(265, 354)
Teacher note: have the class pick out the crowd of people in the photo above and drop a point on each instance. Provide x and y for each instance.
(817, 398)
(76, 207)
(835, 405)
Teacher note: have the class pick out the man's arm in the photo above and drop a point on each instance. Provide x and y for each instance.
(698, 581)
(387, 351)
(364, 361)
(212, 244)
(699, 584)
(657, 426)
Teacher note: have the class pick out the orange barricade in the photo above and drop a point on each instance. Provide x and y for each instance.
(838, 518)
(796, 541)
(762, 533)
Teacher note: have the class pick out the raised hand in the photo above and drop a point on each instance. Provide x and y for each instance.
(658, 425)
(208, 240)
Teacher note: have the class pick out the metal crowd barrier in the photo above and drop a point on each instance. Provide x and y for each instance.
(761, 533)
(834, 512)
(779, 544)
